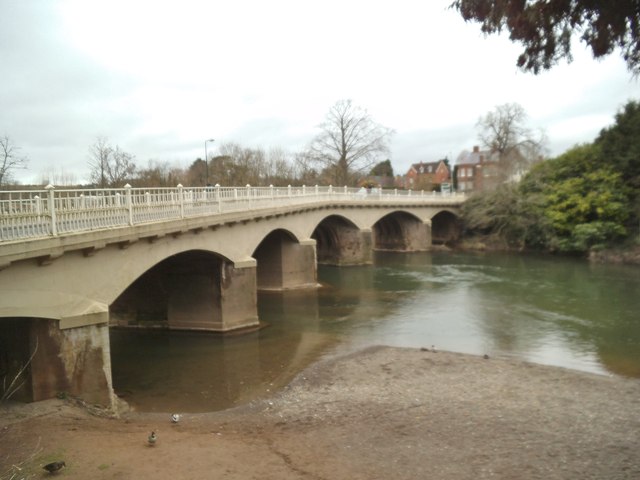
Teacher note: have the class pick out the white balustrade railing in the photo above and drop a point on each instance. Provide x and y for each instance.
(40, 213)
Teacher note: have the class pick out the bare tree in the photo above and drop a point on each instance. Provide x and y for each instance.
(279, 167)
(156, 174)
(110, 166)
(304, 170)
(58, 177)
(121, 168)
(99, 154)
(505, 134)
(349, 143)
(9, 159)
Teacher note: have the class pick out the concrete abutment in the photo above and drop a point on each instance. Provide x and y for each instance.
(59, 361)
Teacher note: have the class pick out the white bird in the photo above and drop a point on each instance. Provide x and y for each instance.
(175, 417)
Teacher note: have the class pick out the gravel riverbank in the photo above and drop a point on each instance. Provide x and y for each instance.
(377, 414)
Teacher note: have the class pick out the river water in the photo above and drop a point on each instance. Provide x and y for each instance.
(551, 310)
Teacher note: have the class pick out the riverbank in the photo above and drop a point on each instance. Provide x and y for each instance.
(624, 256)
(628, 255)
(377, 414)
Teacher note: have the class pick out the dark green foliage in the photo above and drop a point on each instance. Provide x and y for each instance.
(620, 144)
(545, 27)
(382, 169)
(585, 201)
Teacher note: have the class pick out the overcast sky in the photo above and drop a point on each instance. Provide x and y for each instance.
(158, 78)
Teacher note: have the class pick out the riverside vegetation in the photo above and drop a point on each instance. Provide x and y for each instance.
(585, 201)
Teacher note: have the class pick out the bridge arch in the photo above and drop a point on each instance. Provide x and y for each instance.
(446, 228)
(339, 241)
(400, 231)
(184, 288)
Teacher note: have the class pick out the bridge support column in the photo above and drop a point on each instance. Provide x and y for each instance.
(239, 299)
(414, 236)
(429, 234)
(357, 248)
(289, 265)
(216, 301)
(417, 236)
(75, 361)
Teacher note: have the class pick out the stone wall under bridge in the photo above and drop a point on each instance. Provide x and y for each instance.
(58, 299)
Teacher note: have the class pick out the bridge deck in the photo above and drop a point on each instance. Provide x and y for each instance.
(49, 213)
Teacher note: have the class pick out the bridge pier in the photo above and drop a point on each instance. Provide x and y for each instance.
(284, 264)
(402, 235)
(417, 236)
(347, 246)
(198, 302)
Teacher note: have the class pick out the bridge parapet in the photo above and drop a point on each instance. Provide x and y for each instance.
(33, 214)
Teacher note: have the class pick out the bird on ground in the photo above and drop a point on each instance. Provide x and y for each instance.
(175, 417)
(153, 438)
(54, 467)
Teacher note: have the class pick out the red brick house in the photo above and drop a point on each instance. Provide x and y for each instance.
(427, 176)
(477, 170)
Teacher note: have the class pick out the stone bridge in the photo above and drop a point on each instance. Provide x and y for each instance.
(75, 262)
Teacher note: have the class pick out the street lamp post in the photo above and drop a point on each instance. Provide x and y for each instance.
(206, 161)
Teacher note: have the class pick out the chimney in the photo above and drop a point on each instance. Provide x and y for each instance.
(476, 149)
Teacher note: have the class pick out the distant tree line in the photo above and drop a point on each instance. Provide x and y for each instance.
(347, 146)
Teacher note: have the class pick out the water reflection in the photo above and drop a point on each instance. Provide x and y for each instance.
(551, 310)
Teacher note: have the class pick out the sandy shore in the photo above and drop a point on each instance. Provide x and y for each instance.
(383, 413)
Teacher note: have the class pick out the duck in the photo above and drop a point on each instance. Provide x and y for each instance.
(54, 467)
(153, 438)
(175, 417)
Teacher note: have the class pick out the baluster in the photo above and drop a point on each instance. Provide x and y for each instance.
(181, 199)
(219, 197)
(52, 209)
(129, 203)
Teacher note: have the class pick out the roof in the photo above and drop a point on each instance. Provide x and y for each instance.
(435, 165)
(475, 157)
